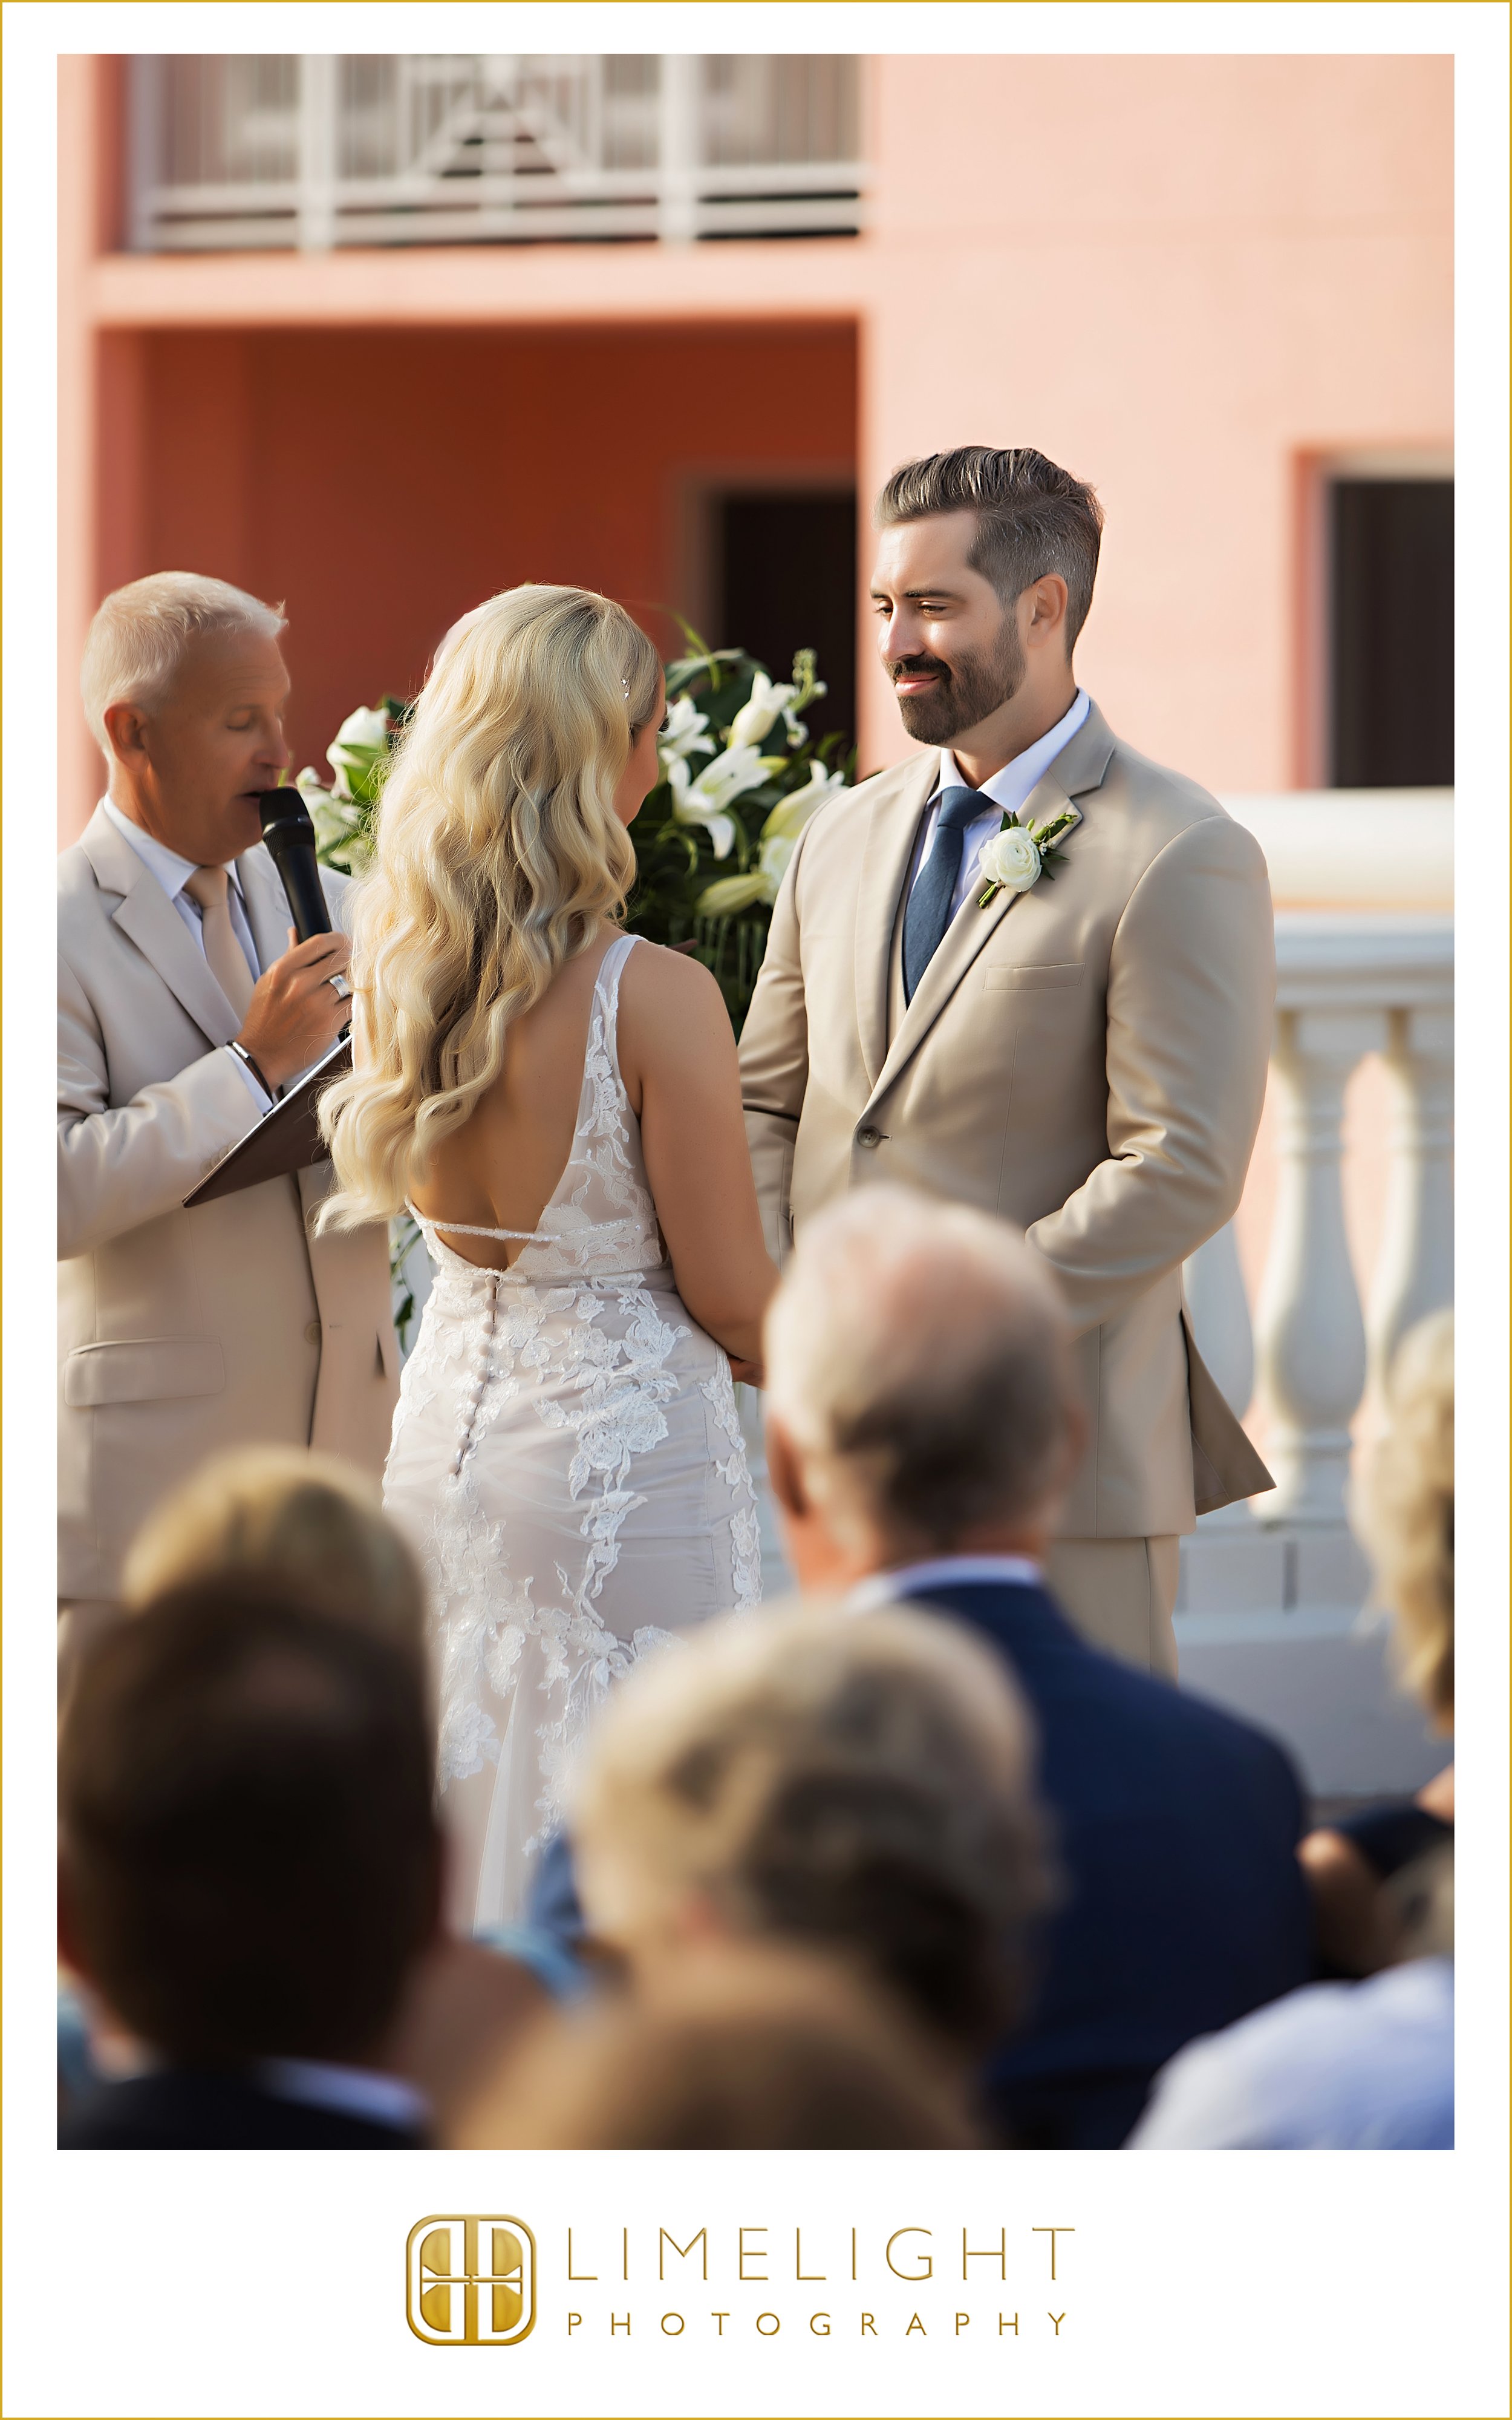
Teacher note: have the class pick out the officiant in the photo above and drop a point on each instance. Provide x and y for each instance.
(182, 1010)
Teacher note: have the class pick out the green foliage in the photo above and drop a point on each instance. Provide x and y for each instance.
(740, 778)
(359, 758)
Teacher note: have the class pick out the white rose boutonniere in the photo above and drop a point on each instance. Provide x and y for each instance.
(1014, 858)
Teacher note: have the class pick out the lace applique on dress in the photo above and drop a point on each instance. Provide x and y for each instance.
(564, 1428)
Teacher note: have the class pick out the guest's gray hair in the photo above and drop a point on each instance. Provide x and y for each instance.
(137, 638)
(919, 1358)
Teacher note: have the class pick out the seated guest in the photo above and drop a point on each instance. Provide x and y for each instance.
(921, 1429)
(310, 1531)
(728, 2048)
(249, 1869)
(301, 1526)
(1406, 1514)
(1362, 2066)
(858, 1788)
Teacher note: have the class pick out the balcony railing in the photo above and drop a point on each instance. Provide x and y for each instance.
(312, 151)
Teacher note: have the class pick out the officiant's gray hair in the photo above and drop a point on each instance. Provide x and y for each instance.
(919, 1360)
(138, 637)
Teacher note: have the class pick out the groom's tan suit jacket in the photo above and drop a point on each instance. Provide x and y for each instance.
(1086, 1058)
(184, 1333)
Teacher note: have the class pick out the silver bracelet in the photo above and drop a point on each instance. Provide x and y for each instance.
(249, 1061)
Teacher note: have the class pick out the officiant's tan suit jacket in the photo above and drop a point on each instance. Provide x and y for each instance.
(1086, 1058)
(183, 1333)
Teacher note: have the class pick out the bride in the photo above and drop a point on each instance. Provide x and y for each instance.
(558, 1103)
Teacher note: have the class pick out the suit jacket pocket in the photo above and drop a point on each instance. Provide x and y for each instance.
(1058, 978)
(143, 1372)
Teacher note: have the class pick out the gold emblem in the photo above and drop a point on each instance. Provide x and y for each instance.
(470, 2281)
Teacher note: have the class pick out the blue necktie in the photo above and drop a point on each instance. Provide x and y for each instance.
(929, 902)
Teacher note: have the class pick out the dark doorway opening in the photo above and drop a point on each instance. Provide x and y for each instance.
(1392, 557)
(787, 580)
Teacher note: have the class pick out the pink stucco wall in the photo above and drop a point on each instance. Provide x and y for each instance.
(1190, 278)
(1177, 276)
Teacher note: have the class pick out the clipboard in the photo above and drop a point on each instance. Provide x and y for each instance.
(284, 1138)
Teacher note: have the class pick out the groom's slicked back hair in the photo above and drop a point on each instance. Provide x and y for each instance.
(1031, 517)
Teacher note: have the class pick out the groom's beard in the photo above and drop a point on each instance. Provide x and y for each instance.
(968, 691)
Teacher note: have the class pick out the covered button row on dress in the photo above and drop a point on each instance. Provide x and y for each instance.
(482, 1365)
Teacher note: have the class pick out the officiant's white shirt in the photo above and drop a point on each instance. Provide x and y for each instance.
(1008, 790)
(173, 871)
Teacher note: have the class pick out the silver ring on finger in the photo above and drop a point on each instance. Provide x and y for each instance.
(340, 986)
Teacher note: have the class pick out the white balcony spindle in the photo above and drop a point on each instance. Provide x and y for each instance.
(1415, 1273)
(318, 151)
(1309, 1329)
(680, 147)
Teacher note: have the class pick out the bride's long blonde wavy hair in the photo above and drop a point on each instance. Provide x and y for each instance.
(497, 854)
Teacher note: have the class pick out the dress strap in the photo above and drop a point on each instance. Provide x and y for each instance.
(451, 1227)
(611, 965)
(607, 995)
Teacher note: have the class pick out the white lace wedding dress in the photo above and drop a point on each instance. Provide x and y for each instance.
(567, 1459)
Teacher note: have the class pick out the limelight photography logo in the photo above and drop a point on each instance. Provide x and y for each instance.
(470, 2281)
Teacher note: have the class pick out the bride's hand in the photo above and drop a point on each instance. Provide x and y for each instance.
(746, 1374)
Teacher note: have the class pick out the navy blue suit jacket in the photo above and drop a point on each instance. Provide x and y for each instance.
(186, 2109)
(1175, 1827)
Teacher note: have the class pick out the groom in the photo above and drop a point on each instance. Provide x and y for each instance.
(1081, 1048)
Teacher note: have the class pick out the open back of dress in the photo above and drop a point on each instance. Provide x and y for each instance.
(567, 1459)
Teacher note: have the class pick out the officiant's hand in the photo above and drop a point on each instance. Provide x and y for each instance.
(294, 1015)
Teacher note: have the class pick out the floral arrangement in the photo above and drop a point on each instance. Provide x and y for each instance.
(359, 761)
(716, 836)
(740, 778)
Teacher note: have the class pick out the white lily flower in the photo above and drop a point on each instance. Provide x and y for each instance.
(683, 735)
(368, 727)
(767, 700)
(791, 813)
(705, 798)
(729, 895)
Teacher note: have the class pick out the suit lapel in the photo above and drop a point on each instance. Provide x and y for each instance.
(1076, 772)
(148, 917)
(890, 845)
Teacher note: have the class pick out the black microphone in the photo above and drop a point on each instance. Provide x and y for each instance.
(288, 836)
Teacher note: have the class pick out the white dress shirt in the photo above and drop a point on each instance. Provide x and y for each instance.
(943, 1571)
(172, 872)
(1333, 2067)
(1007, 790)
(354, 2092)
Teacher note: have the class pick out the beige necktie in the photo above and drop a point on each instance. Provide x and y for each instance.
(227, 958)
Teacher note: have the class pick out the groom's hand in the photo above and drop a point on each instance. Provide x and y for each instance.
(294, 1015)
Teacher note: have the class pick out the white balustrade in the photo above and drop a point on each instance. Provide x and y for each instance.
(233, 152)
(1414, 1273)
(1347, 987)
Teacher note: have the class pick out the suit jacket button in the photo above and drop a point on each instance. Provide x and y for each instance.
(868, 1138)
(312, 1333)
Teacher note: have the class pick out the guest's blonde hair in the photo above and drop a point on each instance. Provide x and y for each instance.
(497, 854)
(1407, 1513)
(737, 2046)
(309, 1527)
(859, 1782)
